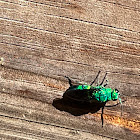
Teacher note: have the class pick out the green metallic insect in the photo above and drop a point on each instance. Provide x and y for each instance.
(92, 94)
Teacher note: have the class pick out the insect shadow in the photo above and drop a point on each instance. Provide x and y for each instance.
(76, 108)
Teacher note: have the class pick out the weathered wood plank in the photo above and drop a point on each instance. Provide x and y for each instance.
(17, 128)
(16, 54)
(44, 116)
(15, 46)
(98, 57)
(47, 89)
(127, 84)
(24, 59)
(98, 39)
(90, 55)
(98, 12)
(42, 41)
(94, 32)
(135, 5)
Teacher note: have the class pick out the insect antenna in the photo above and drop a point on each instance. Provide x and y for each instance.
(121, 109)
(121, 105)
(95, 78)
(103, 79)
(120, 102)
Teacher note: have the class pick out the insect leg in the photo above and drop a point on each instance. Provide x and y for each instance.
(102, 116)
(106, 83)
(95, 78)
(103, 79)
(69, 80)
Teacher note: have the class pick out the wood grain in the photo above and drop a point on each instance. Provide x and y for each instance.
(41, 41)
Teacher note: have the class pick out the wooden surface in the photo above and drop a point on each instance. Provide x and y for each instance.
(41, 41)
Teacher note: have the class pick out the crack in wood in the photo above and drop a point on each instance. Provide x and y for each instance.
(91, 22)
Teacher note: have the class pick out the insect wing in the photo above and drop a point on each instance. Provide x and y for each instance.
(77, 93)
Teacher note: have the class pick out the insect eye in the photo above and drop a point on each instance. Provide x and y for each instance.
(117, 90)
